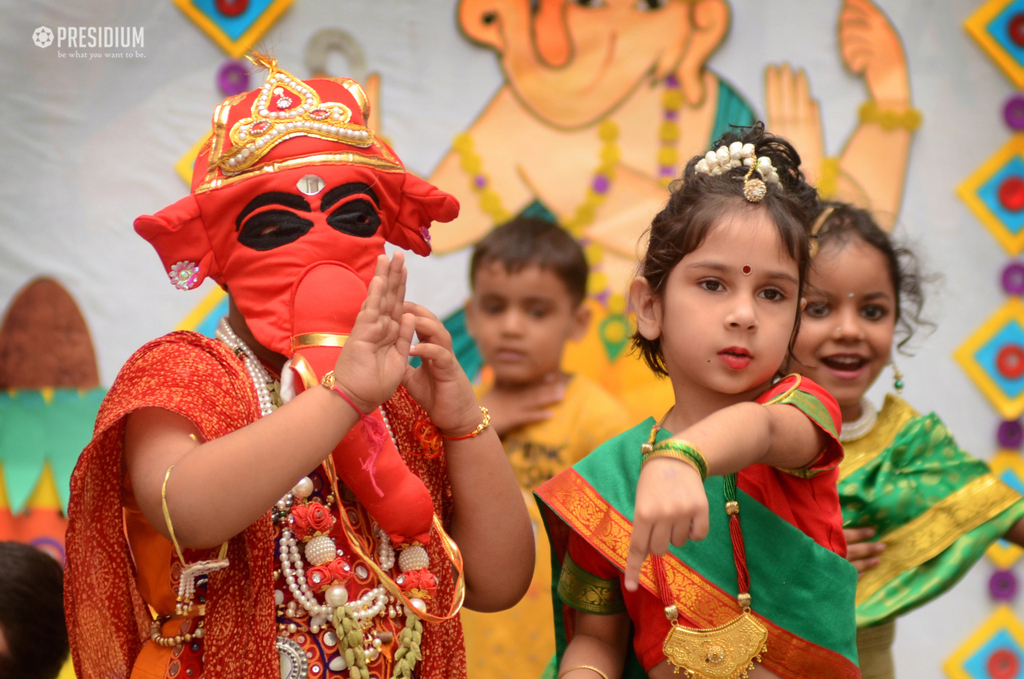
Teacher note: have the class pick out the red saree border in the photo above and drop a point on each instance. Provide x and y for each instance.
(583, 509)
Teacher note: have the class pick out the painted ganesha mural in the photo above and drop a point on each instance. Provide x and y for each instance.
(602, 103)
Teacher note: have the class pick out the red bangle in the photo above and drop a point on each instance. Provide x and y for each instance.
(476, 432)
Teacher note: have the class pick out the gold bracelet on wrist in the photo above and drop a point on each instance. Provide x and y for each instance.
(683, 451)
(895, 118)
(583, 667)
(476, 432)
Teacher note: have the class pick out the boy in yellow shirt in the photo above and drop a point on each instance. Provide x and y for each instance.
(529, 281)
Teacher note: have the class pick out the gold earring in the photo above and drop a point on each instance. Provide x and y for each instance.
(897, 378)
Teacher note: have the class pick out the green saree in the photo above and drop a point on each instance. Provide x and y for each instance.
(935, 507)
(800, 590)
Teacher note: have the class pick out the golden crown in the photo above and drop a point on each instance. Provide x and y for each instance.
(287, 107)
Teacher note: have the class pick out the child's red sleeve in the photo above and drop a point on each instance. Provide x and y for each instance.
(821, 408)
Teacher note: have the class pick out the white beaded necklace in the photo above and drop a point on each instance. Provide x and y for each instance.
(862, 425)
(260, 377)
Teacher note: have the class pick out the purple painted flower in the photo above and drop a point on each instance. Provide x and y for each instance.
(1010, 434)
(601, 184)
(1003, 585)
(480, 181)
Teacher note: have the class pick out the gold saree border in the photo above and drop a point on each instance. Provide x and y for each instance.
(894, 416)
(577, 503)
(933, 532)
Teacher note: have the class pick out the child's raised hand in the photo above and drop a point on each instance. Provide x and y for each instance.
(860, 552)
(376, 353)
(440, 385)
(512, 408)
(671, 506)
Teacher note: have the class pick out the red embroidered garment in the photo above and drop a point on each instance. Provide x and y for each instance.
(108, 622)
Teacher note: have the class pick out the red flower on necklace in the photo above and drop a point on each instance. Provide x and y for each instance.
(310, 520)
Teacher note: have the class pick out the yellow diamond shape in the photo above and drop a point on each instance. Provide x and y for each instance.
(977, 26)
(968, 192)
(1004, 554)
(184, 165)
(236, 48)
(1007, 406)
(1002, 619)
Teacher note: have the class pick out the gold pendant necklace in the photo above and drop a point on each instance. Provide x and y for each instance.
(730, 650)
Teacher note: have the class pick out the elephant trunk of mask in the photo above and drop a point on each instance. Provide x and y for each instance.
(325, 301)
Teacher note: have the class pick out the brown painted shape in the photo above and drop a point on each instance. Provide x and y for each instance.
(45, 342)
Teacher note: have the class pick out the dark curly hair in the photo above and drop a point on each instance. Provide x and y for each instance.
(845, 222)
(699, 201)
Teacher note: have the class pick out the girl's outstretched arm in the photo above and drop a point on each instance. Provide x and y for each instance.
(670, 502)
(599, 642)
(489, 521)
(267, 457)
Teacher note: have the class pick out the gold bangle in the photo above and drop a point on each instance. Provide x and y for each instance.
(583, 667)
(671, 454)
(681, 450)
(907, 118)
(167, 513)
(476, 432)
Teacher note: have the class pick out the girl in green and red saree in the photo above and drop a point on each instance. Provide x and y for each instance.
(919, 510)
(733, 492)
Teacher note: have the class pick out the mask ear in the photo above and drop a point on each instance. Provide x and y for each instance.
(179, 236)
(422, 203)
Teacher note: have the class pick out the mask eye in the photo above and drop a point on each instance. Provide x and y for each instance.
(589, 4)
(272, 229)
(356, 218)
(649, 5)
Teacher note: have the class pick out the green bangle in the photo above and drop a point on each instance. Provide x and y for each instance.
(684, 449)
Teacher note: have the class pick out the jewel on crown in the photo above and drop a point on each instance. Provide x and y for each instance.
(286, 107)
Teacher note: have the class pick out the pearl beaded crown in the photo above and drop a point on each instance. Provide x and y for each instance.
(737, 154)
(287, 107)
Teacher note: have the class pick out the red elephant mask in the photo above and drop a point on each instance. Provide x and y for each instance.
(292, 201)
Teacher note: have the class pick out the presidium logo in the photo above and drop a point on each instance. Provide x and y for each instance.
(42, 36)
(123, 38)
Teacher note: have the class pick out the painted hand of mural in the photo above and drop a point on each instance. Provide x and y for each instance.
(794, 114)
(872, 48)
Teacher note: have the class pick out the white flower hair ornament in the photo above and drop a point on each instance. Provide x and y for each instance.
(738, 154)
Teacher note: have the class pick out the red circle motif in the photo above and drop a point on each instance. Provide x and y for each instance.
(259, 127)
(1016, 30)
(319, 114)
(1011, 194)
(1010, 361)
(233, 8)
(1003, 664)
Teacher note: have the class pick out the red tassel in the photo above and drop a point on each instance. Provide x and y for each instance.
(375, 435)
(739, 554)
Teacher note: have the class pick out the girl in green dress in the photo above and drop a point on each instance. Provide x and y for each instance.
(930, 508)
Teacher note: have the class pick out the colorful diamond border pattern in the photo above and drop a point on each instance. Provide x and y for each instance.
(980, 181)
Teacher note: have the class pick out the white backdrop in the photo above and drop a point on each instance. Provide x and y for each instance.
(87, 145)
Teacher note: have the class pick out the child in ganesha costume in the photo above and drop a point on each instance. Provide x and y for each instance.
(278, 503)
(737, 482)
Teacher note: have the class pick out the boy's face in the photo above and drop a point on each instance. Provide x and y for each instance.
(521, 321)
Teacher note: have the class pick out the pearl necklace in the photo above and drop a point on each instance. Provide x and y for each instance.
(260, 376)
(862, 425)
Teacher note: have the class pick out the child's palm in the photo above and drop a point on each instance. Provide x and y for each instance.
(377, 350)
